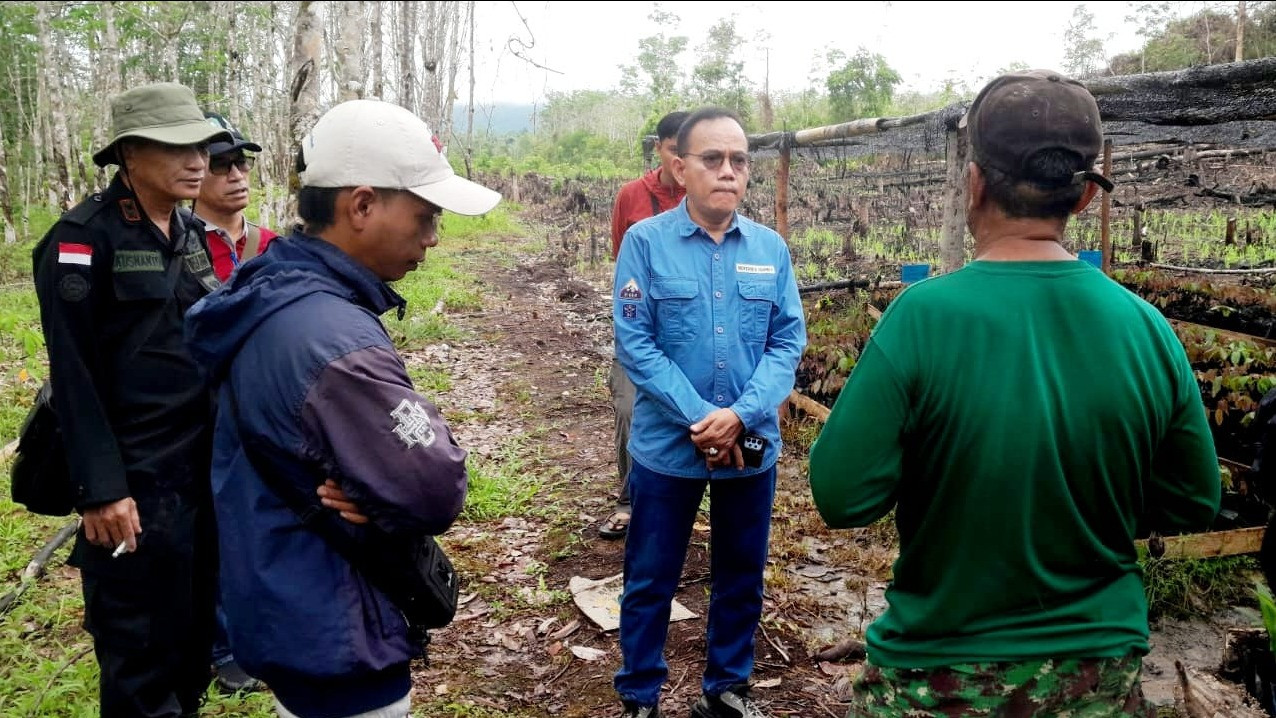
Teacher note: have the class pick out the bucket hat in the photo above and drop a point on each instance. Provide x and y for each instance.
(162, 112)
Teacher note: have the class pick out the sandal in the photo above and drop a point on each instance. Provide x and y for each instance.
(616, 525)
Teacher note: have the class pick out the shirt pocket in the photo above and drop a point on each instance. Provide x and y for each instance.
(676, 311)
(141, 286)
(757, 299)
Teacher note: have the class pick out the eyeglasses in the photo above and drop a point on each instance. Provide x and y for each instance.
(222, 165)
(713, 160)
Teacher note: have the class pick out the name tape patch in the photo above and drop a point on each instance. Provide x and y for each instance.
(755, 268)
(138, 260)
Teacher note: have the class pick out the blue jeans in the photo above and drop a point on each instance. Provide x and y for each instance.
(221, 639)
(664, 509)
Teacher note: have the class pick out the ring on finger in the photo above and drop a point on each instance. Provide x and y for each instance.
(712, 451)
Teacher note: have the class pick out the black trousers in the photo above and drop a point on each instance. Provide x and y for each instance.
(151, 612)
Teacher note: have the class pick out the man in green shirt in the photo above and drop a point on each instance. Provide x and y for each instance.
(1027, 418)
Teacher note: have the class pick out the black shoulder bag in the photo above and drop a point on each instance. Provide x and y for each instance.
(40, 478)
(413, 572)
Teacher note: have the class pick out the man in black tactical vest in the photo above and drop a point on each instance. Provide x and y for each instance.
(115, 276)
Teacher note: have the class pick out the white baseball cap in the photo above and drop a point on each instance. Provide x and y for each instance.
(379, 144)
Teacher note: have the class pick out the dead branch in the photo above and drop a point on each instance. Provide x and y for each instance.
(35, 709)
(1204, 696)
(848, 648)
(778, 648)
(35, 569)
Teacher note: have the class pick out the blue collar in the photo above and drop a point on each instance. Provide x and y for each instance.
(688, 228)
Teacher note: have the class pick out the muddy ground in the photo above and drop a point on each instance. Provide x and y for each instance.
(532, 375)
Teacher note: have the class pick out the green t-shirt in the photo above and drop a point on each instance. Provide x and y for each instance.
(1026, 419)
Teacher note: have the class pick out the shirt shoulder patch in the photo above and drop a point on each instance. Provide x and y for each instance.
(630, 290)
(75, 253)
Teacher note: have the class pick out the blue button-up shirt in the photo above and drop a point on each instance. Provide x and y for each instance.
(700, 326)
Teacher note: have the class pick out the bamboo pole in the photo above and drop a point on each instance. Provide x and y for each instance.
(952, 241)
(1212, 544)
(847, 284)
(782, 192)
(810, 406)
(1207, 270)
(814, 136)
(1106, 210)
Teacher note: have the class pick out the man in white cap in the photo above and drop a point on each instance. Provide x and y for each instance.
(114, 277)
(310, 380)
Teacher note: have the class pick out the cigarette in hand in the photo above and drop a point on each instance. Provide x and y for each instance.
(120, 549)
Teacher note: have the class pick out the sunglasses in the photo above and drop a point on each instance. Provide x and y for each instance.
(713, 160)
(220, 166)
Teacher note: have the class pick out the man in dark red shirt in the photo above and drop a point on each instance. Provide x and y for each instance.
(647, 196)
(232, 239)
(223, 196)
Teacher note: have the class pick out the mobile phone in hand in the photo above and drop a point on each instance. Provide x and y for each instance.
(753, 448)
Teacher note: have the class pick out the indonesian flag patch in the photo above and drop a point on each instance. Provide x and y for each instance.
(71, 253)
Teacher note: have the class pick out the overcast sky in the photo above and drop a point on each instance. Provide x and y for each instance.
(581, 44)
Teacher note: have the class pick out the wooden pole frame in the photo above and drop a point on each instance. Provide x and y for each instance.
(782, 190)
(1105, 211)
(952, 240)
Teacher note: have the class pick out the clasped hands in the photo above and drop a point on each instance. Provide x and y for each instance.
(717, 437)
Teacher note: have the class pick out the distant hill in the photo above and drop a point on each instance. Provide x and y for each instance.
(499, 118)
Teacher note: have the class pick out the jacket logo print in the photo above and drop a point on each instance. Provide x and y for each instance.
(414, 427)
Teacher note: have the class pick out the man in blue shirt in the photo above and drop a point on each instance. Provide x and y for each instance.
(709, 328)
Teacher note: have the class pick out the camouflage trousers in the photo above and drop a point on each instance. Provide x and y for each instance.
(1066, 688)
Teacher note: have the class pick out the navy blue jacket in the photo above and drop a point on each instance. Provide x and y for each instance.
(297, 334)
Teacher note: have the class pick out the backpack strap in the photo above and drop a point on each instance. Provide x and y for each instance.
(252, 243)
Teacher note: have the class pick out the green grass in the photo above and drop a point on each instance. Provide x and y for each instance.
(428, 381)
(48, 668)
(1190, 236)
(494, 226)
(459, 708)
(22, 355)
(503, 485)
(1192, 588)
(15, 259)
(440, 279)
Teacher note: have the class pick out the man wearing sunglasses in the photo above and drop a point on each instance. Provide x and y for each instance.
(709, 327)
(223, 196)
